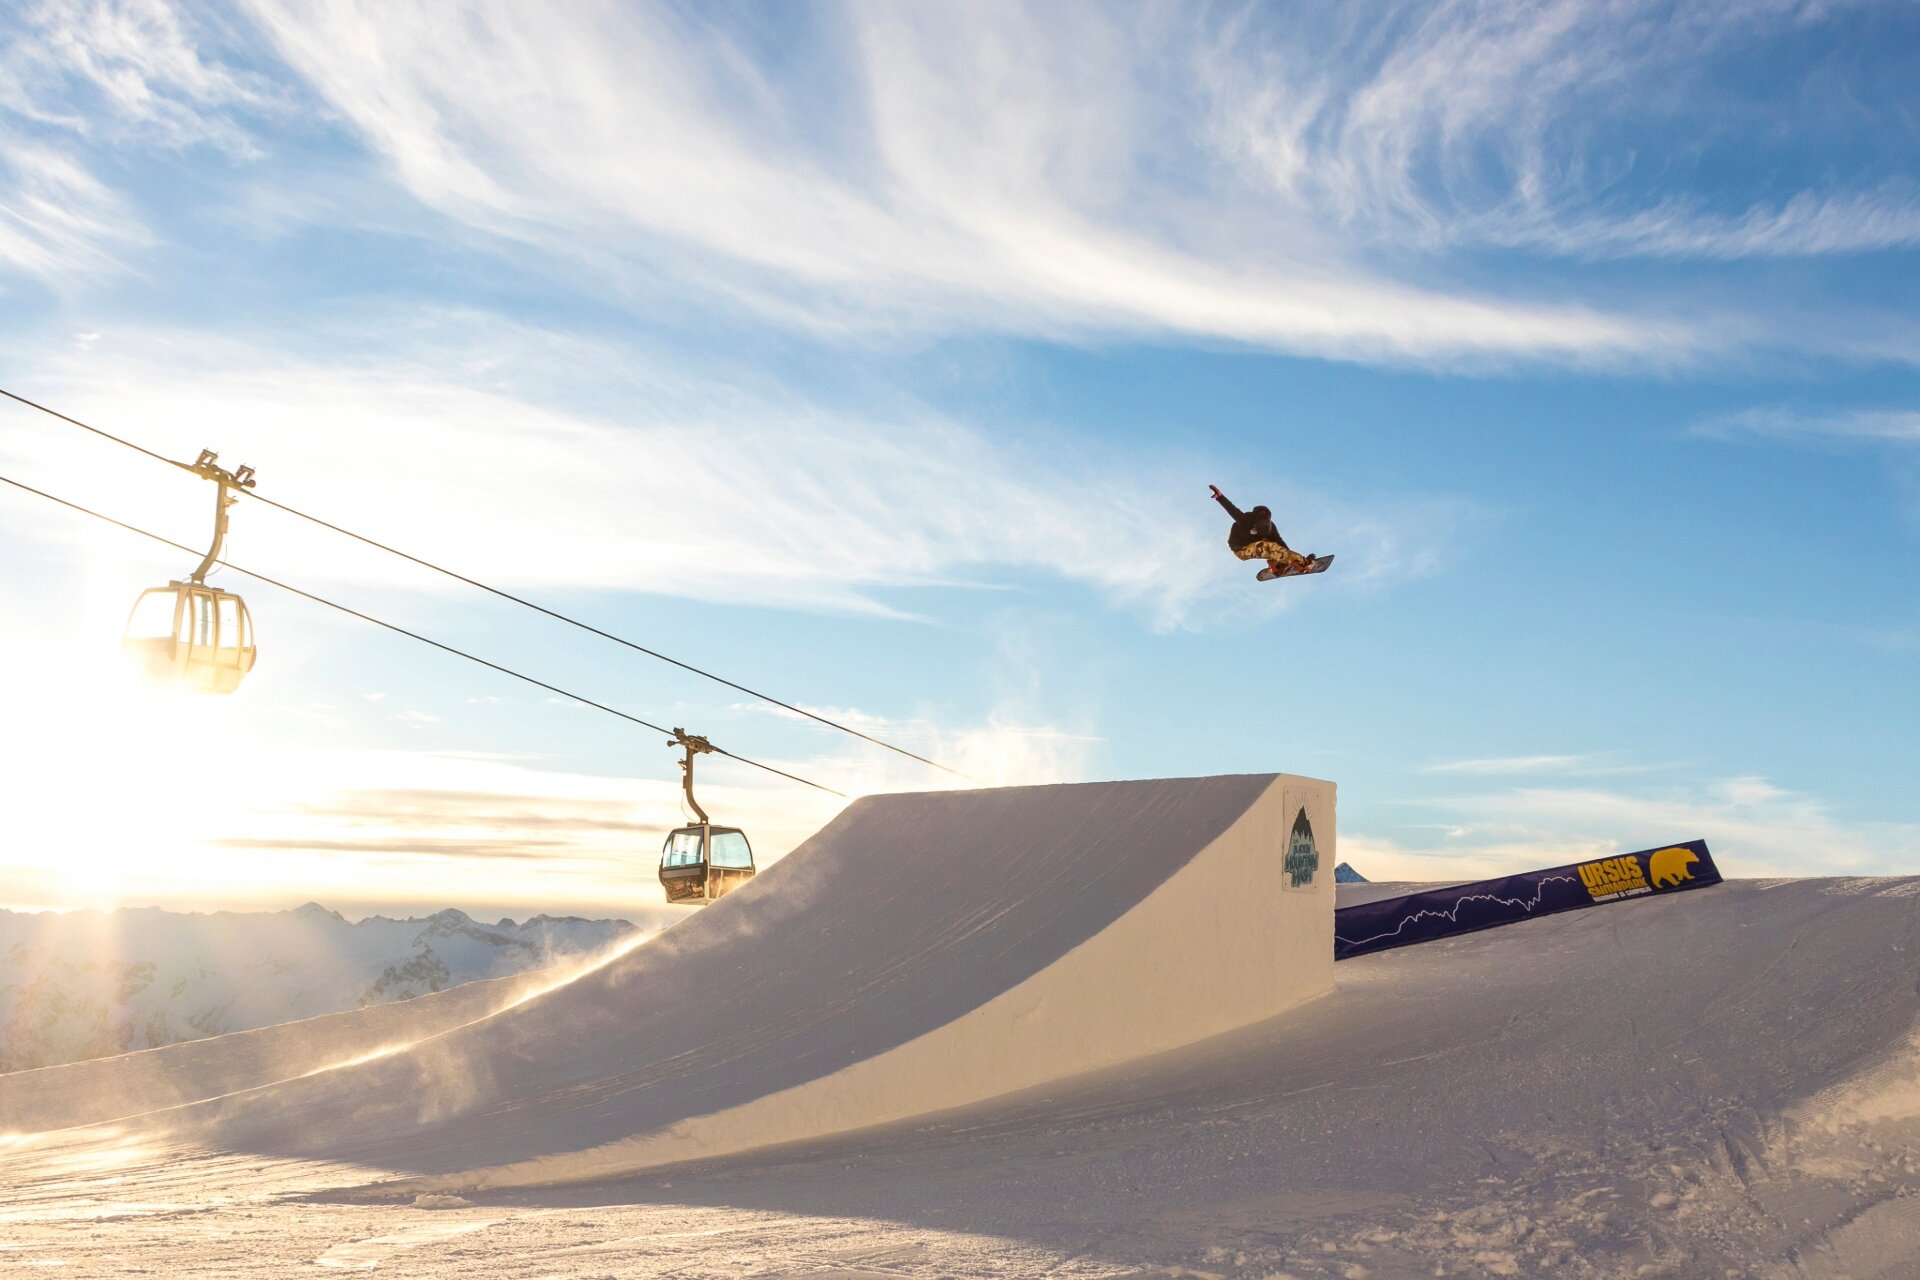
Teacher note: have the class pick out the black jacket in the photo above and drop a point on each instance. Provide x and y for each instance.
(1246, 529)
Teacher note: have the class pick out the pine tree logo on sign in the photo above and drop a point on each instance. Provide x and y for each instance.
(1303, 857)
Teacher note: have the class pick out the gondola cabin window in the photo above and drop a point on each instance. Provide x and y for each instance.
(229, 635)
(683, 850)
(203, 634)
(730, 850)
(153, 616)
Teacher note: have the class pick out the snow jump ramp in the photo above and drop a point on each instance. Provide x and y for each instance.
(921, 952)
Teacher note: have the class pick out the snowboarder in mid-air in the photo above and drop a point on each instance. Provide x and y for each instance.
(1253, 537)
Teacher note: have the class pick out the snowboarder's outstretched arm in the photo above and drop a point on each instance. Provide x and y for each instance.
(1221, 498)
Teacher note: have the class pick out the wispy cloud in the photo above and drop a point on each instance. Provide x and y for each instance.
(391, 848)
(404, 826)
(1889, 426)
(83, 75)
(1297, 180)
(1754, 826)
(1470, 856)
(57, 221)
(129, 69)
(1809, 224)
(415, 826)
(1763, 829)
(1025, 167)
(1007, 749)
(1893, 433)
(693, 487)
(1499, 766)
(1461, 123)
(424, 809)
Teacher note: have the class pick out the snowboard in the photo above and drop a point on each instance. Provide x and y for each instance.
(1317, 565)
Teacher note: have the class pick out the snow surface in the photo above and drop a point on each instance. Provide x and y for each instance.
(85, 984)
(1716, 1084)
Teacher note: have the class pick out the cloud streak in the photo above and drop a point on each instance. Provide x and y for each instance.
(1755, 827)
(81, 76)
(56, 218)
(1007, 167)
(1460, 123)
(1872, 426)
(1514, 764)
(693, 488)
(1807, 225)
(1308, 181)
(139, 70)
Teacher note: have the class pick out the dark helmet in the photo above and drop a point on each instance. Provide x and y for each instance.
(1261, 513)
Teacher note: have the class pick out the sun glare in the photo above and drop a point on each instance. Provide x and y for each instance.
(113, 780)
(123, 794)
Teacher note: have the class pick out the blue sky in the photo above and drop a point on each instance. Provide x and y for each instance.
(880, 356)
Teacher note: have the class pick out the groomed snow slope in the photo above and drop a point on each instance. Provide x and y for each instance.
(1717, 1084)
(921, 952)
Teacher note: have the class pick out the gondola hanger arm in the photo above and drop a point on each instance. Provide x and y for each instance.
(207, 467)
(693, 744)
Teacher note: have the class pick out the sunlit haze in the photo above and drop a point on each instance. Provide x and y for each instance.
(879, 357)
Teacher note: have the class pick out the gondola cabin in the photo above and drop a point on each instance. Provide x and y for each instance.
(191, 636)
(701, 863)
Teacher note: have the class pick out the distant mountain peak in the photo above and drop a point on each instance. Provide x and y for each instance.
(443, 923)
(1345, 874)
(68, 992)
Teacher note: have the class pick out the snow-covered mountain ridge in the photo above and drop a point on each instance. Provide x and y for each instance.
(87, 984)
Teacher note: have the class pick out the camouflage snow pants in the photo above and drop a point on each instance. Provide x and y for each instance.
(1272, 551)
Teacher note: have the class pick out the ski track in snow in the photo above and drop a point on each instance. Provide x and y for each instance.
(1721, 1084)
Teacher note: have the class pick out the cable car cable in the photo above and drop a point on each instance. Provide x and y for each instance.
(414, 635)
(105, 435)
(508, 595)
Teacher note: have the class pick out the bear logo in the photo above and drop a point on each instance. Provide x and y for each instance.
(1669, 867)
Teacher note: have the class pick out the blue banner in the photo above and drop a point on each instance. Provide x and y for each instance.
(1464, 908)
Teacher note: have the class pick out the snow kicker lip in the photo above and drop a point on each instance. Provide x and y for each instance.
(1485, 904)
(903, 921)
(1236, 929)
